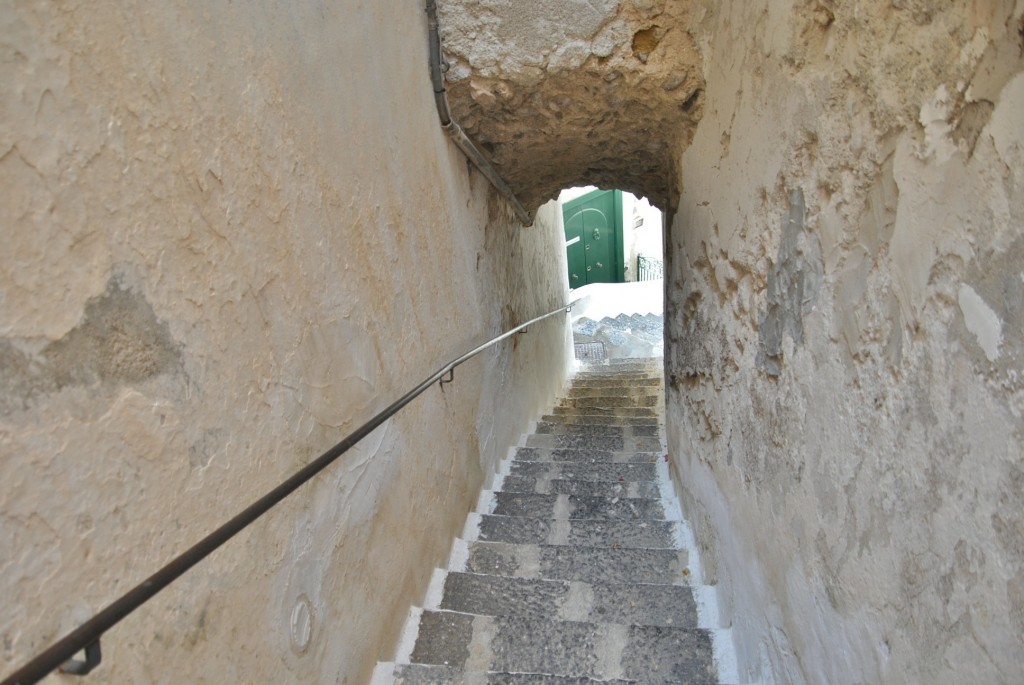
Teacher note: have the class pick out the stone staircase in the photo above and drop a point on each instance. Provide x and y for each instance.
(577, 566)
(625, 335)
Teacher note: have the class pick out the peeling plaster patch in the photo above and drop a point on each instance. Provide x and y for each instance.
(119, 341)
(793, 283)
(1005, 129)
(982, 321)
(934, 118)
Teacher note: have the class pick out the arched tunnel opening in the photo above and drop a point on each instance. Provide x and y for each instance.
(607, 94)
(614, 271)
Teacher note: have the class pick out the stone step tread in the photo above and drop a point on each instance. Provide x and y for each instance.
(585, 441)
(608, 411)
(613, 390)
(586, 488)
(532, 462)
(624, 390)
(607, 401)
(591, 382)
(580, 533)
(570, 562)
(616, 367)
(576, 507)
(558, 427)
(428, 674)
(596, 420)
(621, 603)
(626, 363)
(622, 376)
(653, 654)
(594, 456)
(599, 430)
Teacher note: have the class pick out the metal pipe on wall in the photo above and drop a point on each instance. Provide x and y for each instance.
(455, 131)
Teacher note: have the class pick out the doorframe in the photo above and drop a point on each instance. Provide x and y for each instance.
(619, 266)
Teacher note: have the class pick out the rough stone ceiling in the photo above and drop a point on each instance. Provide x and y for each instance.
(561, 93)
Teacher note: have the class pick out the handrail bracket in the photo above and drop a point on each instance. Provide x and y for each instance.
(93, 657)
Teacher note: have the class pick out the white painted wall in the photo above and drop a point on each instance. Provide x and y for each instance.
(233, 232)
(642, 232)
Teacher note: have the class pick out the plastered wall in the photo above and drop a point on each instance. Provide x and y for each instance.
(844, 343)
(231, 233)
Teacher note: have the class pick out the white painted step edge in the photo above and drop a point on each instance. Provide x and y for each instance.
(486, 503)
(705, 596)
(709, 618)
(411, 631)
(471, 530)
(685, 539)
(497, 479)
(435, 590)
(383, 673)
(725, 656)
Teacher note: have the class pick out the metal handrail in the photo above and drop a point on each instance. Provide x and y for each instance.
(59, 656)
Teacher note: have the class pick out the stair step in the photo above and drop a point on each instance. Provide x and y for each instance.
(579, 532)
(626, 364)
(583, 441)
(619, 376)
(588, 564)
(625, 603)
(608, 456)
(597, 420)
(543, 467)
(587, 488)
(622, 390)
(576, 507)
(426, 674)
(650, 654)
(599, 430)
(607, 411)
(604, 382)
(608, 401)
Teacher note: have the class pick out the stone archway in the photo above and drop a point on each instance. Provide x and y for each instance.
(573, 92)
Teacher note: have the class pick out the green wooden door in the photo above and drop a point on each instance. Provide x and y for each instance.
(593, 236)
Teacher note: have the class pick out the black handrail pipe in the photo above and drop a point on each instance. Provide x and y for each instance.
(59, 656)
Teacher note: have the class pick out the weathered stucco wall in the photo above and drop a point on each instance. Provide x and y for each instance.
(845, 337)
(232, 232)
